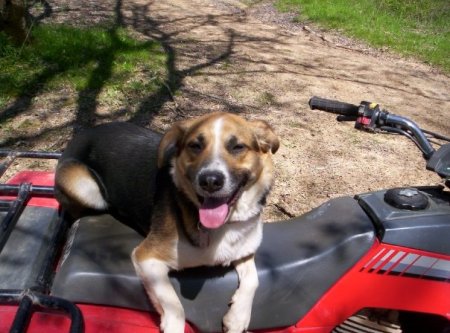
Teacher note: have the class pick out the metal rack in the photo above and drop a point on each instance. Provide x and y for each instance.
(35, 298)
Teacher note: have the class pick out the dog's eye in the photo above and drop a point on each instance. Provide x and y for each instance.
(195, 147)
(237, 148)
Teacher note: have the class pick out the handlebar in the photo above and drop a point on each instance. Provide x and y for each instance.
(421, 140)
(369, 116)
(328, 105)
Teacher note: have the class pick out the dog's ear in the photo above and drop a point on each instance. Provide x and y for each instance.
(169, 144)
(265, 136)
(171, 141)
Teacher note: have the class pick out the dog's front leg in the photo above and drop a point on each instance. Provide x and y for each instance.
(238, 316)
(154, 275)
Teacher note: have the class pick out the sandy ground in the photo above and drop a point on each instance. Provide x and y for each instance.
(231, 56)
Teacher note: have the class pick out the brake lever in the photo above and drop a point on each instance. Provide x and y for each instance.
(346, 118)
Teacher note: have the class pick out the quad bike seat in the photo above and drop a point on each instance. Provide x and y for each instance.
(298, 261)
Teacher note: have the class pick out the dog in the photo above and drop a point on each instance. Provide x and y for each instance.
(212, 179)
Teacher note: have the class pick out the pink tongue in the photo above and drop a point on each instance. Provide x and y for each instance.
(213, 215)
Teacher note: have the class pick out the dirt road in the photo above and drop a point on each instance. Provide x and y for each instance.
(248, 60)
(228, 56)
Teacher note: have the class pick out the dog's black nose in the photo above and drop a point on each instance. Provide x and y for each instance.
(211, 181)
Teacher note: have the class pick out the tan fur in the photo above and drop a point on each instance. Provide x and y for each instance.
(77, 187)
(151, 248)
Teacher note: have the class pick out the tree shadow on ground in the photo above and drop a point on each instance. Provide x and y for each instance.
(152, 104)
(57, 63)
(186, 55)
(87, 98)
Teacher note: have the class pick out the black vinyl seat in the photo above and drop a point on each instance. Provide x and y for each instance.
(297, 262)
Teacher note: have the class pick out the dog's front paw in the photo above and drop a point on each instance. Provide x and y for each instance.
(236, 320)
(172, 324)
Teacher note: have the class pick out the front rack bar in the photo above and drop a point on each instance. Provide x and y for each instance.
(10, 156)
(14, 212)
(30, 302)
(29, 154)
(57, 238)
(7, 189)
(23, 316)
(36, 298)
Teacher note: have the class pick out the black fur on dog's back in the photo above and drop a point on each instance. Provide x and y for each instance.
(122, 159)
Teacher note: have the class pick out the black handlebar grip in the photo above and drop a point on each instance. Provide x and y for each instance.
(328, 105)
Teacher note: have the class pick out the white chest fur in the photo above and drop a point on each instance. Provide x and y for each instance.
(226, 244)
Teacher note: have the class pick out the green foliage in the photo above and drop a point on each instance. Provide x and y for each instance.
(85, 58)
(420, 10)
(418, 28)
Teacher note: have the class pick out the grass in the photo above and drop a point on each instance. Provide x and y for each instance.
(418, 28)
(266, 98)
(87, 59)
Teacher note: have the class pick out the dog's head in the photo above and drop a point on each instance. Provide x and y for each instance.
(222, 163)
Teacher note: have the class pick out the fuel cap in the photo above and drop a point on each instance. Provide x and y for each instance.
(406, 198)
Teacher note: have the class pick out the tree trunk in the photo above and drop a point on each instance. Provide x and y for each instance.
(12, 19)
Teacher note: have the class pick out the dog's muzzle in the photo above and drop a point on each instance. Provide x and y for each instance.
(217, 193)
